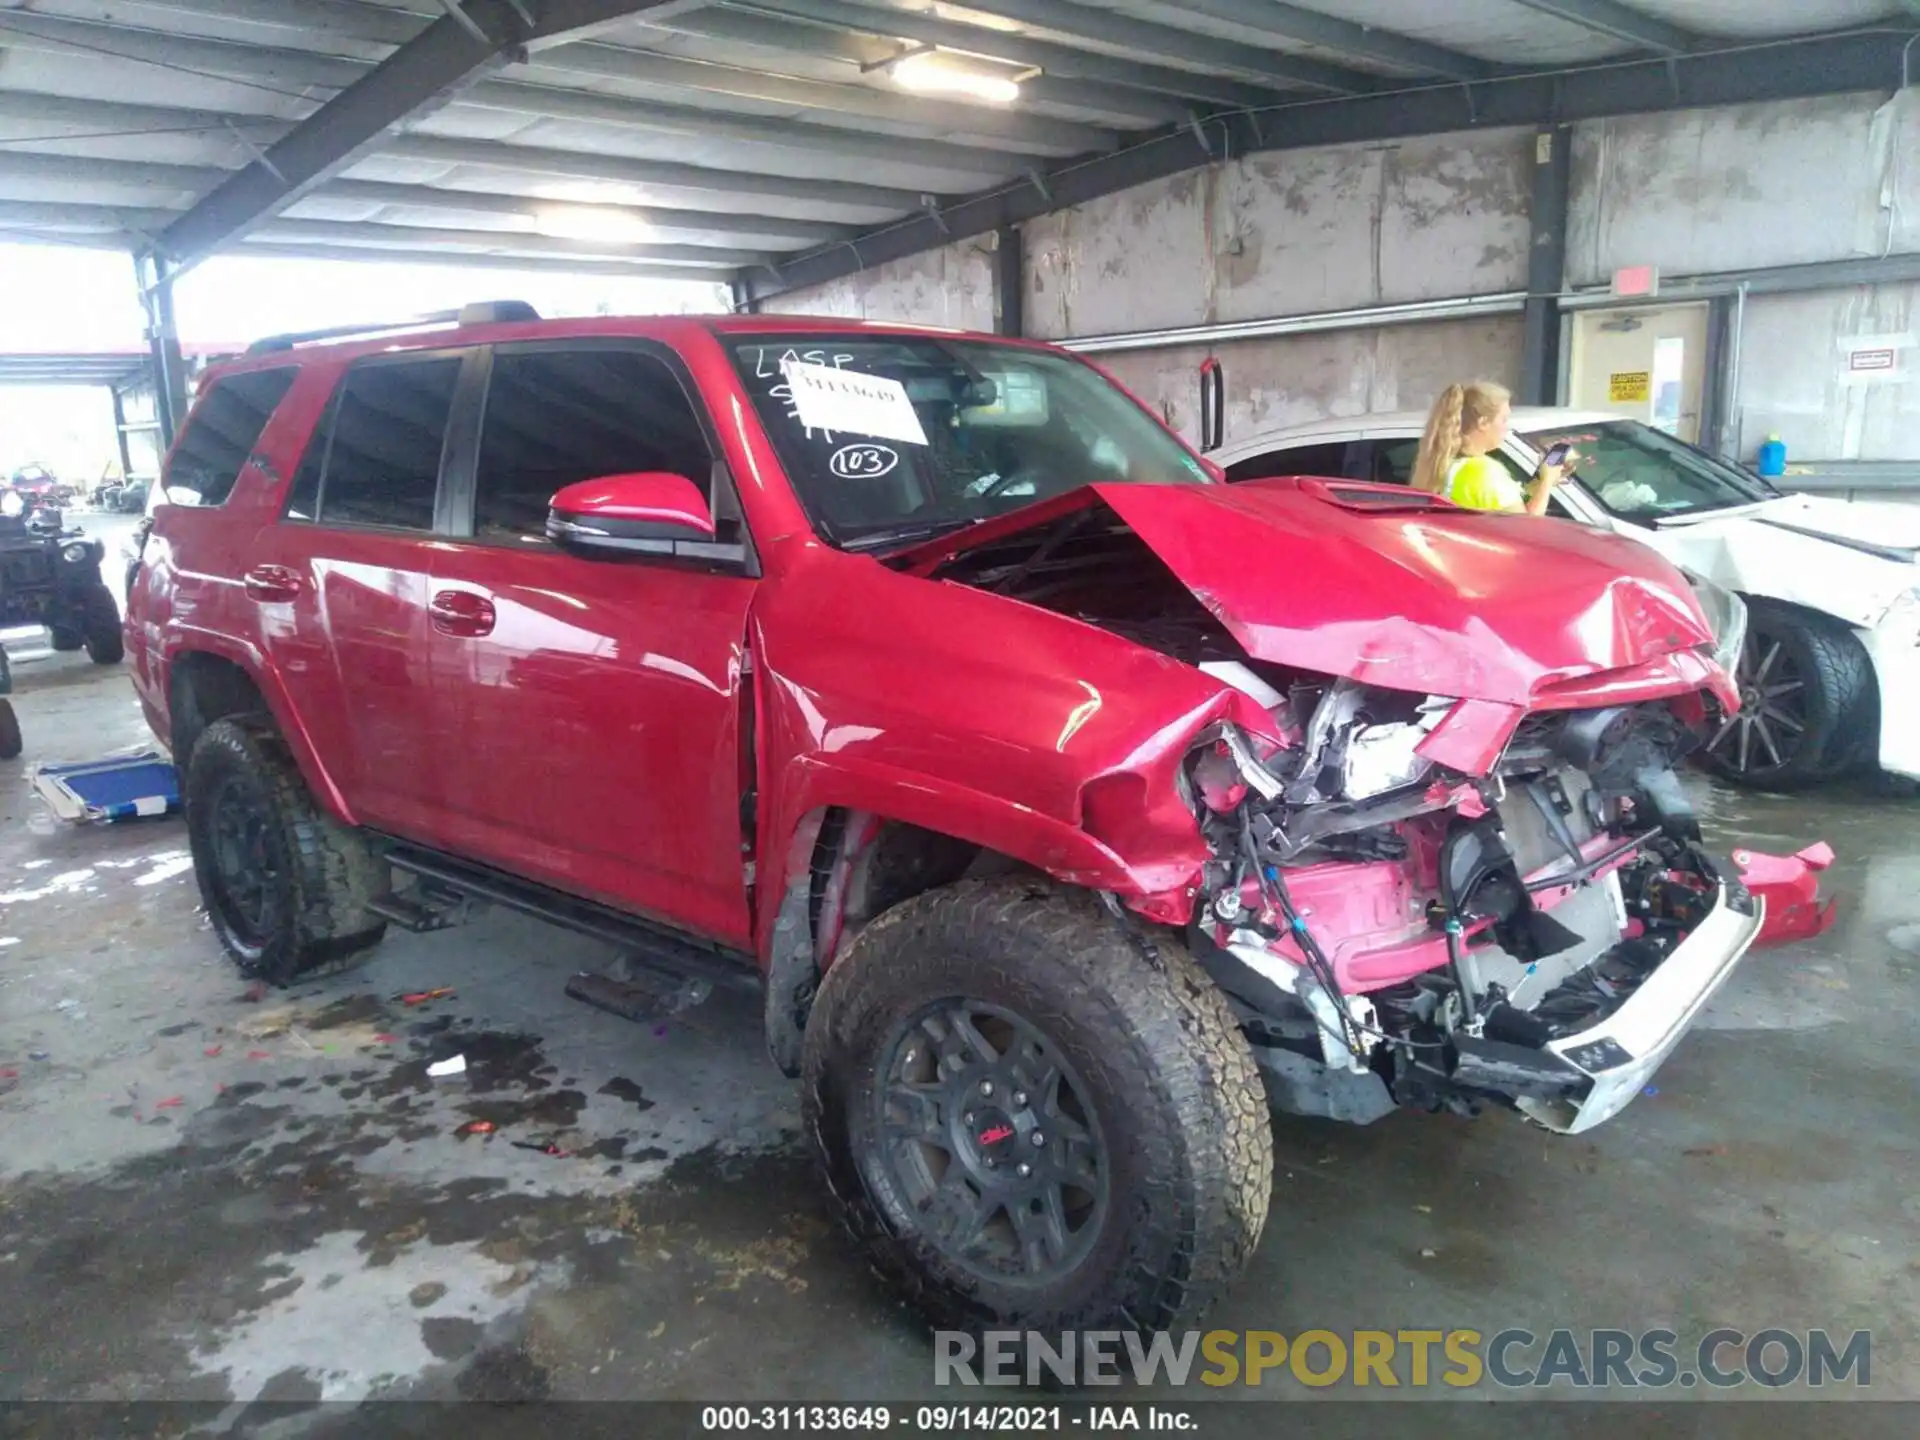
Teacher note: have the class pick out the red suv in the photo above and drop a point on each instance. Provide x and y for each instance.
(1070, 805)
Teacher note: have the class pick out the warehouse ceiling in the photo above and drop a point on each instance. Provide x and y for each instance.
(786, 141)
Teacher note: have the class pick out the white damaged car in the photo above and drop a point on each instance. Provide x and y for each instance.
(1830, 670)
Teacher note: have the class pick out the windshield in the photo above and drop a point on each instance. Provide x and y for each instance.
(892, 439)
(1640, 473)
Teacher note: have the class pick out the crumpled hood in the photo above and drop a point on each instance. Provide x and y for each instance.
(1874, 523)
(1848, 559)
(1390, 591)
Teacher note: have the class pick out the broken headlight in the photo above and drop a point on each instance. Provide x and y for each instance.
(1380, 758)
(1361, 742)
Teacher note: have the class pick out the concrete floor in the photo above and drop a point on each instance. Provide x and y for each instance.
(207, 1197)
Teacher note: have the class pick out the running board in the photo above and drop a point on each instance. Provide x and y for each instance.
(398, 910)
(651, 945)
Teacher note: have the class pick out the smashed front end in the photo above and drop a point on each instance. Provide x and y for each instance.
(1399, 933)
(1449, 859)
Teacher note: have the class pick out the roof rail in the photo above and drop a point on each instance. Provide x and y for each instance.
(484, 312)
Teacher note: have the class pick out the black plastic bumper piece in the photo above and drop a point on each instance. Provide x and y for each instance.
(1297, 1085)
(1497, 1067)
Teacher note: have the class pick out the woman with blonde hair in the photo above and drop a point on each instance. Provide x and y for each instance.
(1468, 423)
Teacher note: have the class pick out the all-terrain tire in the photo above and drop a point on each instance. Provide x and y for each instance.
(1171, 1087)
(1834, 705)
(316, 874)
(11, 743)
(63, 639)
(105, 644)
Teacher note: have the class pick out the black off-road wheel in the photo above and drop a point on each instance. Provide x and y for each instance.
(1806, 695)
(11, 743)
(105, 644)
(286, 887)
(1033, 1118)
(63, 639)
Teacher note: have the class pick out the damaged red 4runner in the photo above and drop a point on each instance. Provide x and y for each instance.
(1070, 806)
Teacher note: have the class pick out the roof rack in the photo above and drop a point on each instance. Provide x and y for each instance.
(484, 312)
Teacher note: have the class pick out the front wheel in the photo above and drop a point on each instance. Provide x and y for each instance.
(1033, 1119)
(286, 887)
(64, 639)
(101, 618)
(11, 743)
(1805, 683)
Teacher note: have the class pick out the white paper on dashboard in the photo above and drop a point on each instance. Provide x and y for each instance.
(850, 403)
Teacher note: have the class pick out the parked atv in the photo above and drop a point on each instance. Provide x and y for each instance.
(50, 575)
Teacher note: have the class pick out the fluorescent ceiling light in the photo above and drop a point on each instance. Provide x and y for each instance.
(930, 72)
(591, 222)
(590, 192)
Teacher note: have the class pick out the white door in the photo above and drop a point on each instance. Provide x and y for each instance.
(1646, 364)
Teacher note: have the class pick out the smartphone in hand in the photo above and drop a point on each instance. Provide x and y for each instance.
(1558, 454)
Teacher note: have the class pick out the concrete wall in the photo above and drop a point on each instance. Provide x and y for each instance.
(1299, 378)
(1287, 232)
(952, 286)
(1294, 232)
(1745, 187)
(1290, 233)
(1793, 376)
(1750, 187)
(1281, 233)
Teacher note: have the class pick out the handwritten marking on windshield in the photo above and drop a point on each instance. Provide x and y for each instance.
(770, 366)
(863, 462)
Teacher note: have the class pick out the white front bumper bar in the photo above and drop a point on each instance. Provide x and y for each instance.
(1622, 1052)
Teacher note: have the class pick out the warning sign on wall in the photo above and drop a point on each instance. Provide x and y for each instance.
(1630, 387)
(1875, 359)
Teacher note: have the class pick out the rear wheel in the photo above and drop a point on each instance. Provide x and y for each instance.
(11, 743)
(105, 644)
(64, 639)
(1805, 700)
(286, 887)
(1032, 1119)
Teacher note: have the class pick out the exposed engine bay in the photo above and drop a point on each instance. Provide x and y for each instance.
(1441, 938)
(1396, 930)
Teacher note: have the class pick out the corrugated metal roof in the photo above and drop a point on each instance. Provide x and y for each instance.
(751, 129)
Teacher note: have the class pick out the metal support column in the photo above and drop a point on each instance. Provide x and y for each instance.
(120, 432)
(1546, 266)
(155, 278)
(1009, 281)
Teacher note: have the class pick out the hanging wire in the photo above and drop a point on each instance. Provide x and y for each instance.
(109, 51)
(215, 126)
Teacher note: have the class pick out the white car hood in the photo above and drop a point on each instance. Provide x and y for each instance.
(1802, 549)
(1880, 523)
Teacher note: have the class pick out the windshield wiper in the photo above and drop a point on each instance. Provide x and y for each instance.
(889, 536)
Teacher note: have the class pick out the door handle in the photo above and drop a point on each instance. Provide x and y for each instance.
(461, 613)
(271, 583)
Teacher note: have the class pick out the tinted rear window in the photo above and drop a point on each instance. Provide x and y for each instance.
(378, 452)
(221, 434)
(1327, 460)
